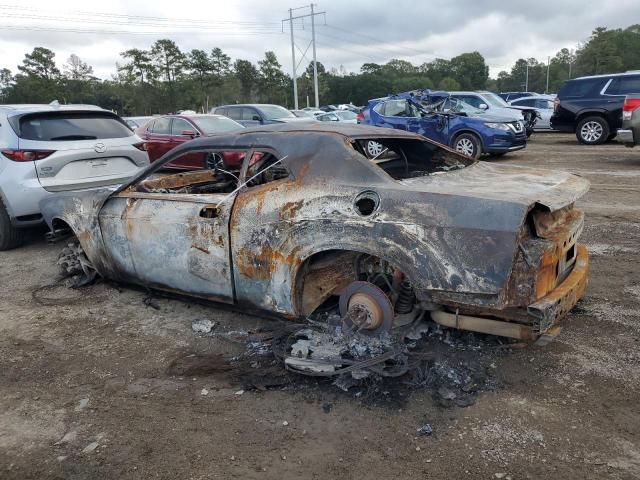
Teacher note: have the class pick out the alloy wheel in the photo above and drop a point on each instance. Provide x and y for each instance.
(465, 147)
(591, 132)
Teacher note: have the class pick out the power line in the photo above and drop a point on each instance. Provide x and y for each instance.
(37, 28)
(136, 17)
(121, 23)
(382, 44)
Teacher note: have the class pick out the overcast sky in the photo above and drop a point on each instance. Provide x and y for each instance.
(356, 31)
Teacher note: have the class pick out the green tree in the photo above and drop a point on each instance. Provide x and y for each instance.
(470, 71)
(448, 83)
(272, 81)
(138, 66)
(168, 59)
(248, 76)
(40, 63)
(220, 63)
(6, 82)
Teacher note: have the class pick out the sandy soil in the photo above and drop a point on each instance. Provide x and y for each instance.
(87, 391)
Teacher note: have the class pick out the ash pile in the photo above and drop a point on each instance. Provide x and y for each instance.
(454, 365)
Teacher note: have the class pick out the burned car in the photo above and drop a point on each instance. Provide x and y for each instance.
(303, 218)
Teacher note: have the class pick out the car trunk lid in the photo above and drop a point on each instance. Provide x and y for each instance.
(521, 185)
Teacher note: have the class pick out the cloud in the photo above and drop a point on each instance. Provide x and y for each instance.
(355, 32)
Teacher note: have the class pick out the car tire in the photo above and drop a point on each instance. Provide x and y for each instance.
(593, 130)
(10, 236)
(467, 144)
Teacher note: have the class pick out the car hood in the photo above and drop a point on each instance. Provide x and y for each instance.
(486, 117)
(506, 112)
(508, 183)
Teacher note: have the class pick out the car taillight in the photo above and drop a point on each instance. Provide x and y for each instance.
(556, 104)
(26, 155)
(629, 105)
(141, 146)
(359, 116)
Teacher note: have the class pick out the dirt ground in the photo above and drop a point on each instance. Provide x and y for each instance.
(87, 392)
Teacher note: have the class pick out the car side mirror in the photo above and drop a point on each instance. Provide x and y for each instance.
(189, 133)
(335, 120)
(483, 106)
(256, 118)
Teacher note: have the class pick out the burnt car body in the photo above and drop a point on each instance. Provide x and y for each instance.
(308, 218)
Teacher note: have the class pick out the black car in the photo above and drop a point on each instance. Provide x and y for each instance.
(592, 106)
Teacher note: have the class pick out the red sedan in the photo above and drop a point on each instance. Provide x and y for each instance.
(167, 132)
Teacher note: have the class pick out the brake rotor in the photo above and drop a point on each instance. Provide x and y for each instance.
(366, 308)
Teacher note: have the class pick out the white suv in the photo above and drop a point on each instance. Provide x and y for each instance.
(46, 149)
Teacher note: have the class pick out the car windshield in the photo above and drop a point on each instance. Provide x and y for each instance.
(274, 112)
(494, 100)
(211, 125)
(460, 106)
(346, 115)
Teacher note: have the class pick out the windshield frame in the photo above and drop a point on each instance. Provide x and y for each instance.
(493, 100)
(268, 112)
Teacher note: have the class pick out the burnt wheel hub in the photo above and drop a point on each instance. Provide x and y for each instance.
(366, 308)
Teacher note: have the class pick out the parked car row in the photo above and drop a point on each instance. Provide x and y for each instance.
(449, 119)
(45, 149)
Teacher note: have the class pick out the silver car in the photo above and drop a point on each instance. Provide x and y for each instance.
(46, 149)
(344, 116)
(543, 105)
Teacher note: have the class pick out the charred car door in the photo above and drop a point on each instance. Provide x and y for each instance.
(165, 236)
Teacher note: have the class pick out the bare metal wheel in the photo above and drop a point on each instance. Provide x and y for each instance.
(374, 148)
(366, 308)
(467, 144)
(592, 130)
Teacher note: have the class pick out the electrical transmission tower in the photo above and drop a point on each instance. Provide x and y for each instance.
(295, 65)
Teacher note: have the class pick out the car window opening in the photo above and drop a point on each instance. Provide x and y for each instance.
(403, 158)
(220, 174)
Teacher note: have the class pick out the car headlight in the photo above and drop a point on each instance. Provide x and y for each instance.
(498, 126)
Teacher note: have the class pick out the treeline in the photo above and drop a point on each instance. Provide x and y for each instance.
(164, 79)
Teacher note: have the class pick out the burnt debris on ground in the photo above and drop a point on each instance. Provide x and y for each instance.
(455, 366)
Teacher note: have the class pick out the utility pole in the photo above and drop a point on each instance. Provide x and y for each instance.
(293, 60)
(315, 64)
(546, 90)
(526, 80)
(293, 51)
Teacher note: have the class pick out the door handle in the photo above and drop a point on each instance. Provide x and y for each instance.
(210, 211)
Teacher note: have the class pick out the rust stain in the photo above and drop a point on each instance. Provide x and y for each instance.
(202, 249)
(261, 264)
(290, 209)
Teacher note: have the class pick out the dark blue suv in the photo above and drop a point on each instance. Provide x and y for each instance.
(434, 115)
